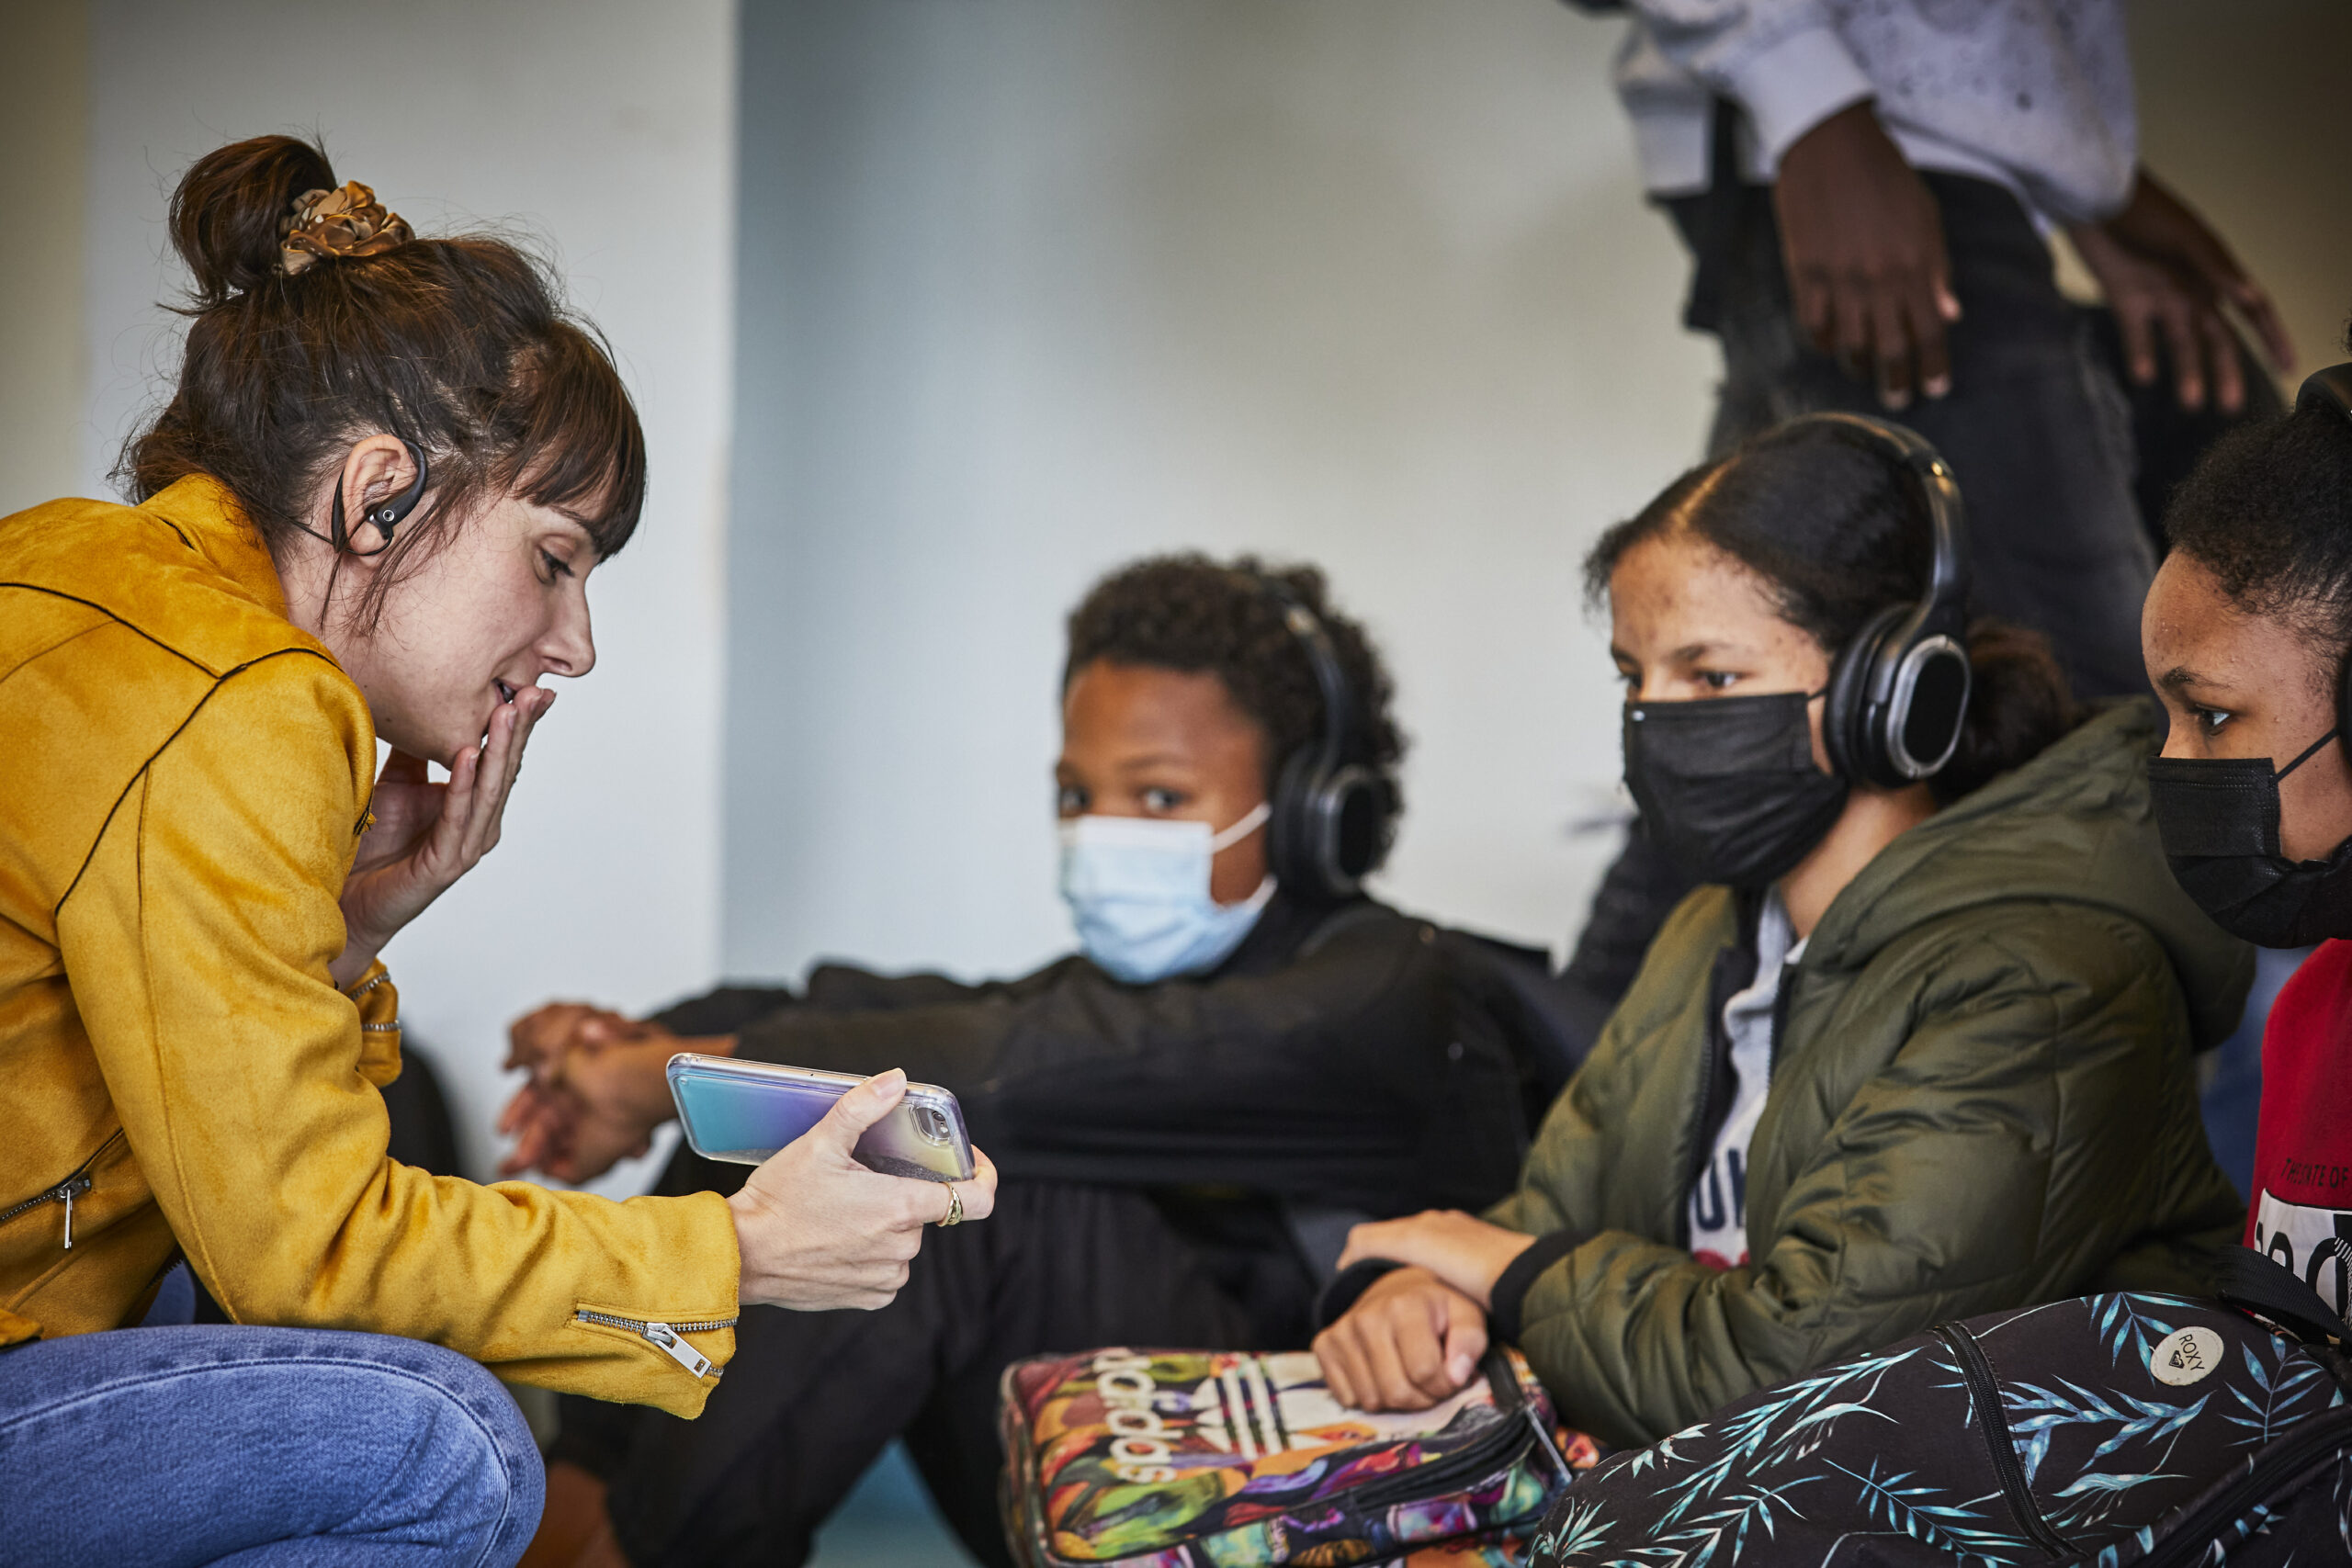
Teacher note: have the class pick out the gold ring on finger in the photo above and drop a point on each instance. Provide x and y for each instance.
(955, 1208)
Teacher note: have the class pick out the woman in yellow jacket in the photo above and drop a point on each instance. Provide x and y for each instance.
(369, 511)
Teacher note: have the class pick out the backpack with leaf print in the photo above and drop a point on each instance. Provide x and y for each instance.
(2108, 1430)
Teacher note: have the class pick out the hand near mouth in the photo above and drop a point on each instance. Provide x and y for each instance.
(424, 835)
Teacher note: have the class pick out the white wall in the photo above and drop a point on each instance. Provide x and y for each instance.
(1035, 285)
(44, 123)
(607, 130)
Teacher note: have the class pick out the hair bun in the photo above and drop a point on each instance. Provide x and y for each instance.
(229, 210)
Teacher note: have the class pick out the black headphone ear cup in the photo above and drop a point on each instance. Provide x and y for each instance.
(1328, 831)
(1353, 816)
(1856, 754)
(1929, 713)
(1290, 828)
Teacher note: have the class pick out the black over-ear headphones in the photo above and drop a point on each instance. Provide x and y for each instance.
(385, 514)
(1898, 690)
(2331, 389)
(1331, 818)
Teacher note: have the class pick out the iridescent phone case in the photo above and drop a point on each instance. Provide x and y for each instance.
(744, 1112)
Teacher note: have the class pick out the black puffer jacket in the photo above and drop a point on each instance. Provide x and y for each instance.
(1345, 1058)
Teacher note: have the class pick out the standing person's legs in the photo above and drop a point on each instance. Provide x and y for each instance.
(266, 1445)
(811, 1398)
(2036, 427)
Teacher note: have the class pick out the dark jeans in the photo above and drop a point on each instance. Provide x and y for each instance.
(2037, 429)
(811, 1398)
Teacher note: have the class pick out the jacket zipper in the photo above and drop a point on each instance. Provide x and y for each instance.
(74, 1184)
(1985, 1394)
(1705, 1124)
(665, 1337)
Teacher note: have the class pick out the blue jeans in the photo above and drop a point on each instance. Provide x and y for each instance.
(260, 1446)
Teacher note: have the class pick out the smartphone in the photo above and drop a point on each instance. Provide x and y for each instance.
(744, 1112)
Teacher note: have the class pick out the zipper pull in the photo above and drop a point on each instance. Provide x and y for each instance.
(68, 1190)
(666, 1339)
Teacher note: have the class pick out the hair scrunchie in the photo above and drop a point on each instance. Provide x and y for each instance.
(328, 224)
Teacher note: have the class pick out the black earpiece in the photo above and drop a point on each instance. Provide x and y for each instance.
(385, 514)
(1898, 690)
(2331, 389)
(1331, 818)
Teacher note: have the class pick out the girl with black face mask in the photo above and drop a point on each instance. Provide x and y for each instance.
(1920, 1052)
(2246, 631)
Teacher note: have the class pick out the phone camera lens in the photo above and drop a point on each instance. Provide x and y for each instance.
(932, 1123)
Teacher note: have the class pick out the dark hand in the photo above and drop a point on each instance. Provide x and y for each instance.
(2163, 271)
(596, 1092)
(1868, 276)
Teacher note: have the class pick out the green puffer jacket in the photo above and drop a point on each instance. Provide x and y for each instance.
(1982, 1096)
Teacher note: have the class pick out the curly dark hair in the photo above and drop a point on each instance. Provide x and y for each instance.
(1189, 612)
(2269, 513)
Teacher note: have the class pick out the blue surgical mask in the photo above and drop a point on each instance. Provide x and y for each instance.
(1138, 889)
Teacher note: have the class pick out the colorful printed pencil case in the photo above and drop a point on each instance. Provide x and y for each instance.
(1199, 1459)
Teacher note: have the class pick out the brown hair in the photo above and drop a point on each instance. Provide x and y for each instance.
(462, 346)
(1837, 529)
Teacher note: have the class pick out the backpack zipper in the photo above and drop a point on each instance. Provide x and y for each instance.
(2190, 1539)
(665, 1337)
(77, 1182)
(1509, 1442)
(1984, 1396)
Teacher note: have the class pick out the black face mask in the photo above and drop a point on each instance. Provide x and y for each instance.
(2219, 820)
(1728, 785)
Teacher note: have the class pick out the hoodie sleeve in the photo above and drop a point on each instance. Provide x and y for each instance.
(2032, 1125)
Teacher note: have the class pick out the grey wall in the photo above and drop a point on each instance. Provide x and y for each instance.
(2242, 109)
(1032, 287)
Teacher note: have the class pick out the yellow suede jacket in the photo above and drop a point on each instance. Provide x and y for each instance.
(184, 779)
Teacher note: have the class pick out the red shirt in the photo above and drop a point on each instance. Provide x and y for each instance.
(2302, 1148)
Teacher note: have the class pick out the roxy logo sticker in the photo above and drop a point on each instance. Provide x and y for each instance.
(2184, 1358)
